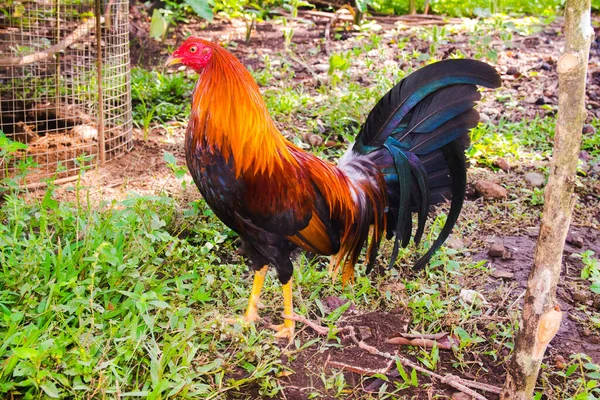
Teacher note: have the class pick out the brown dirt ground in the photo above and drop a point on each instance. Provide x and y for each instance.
(143, 171)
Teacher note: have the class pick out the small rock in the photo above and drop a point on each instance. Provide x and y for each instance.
(540, 101)
(502, 274)
(454, 242)
(584, 155)
(589, 129)
(535, 179)
(393, 286)
(333, 302)
(595, 339)
(496, 250)
(560, 361)
(315, 140)
(575, 239)
(86, 132)
(532, 231)
(469, 296)
(461, 396)
(470, 193)
(580, 296)
(586, 332)
(502, 164)
(321, 67)
(512, 71)
(490, 190)
(365, 332)
(546, 67)
(484, 118)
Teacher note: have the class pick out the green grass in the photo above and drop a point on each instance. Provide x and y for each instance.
(130, 298)
(160, 97)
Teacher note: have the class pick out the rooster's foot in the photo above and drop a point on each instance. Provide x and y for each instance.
(285, 330)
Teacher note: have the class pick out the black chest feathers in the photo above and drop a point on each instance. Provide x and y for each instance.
(216, 180)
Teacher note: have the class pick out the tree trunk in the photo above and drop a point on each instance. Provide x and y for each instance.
(541, 313)
(412, 7)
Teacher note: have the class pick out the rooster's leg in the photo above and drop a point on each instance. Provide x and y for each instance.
(251, 314)
(286, 330)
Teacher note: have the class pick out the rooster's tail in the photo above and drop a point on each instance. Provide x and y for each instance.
(414, 140)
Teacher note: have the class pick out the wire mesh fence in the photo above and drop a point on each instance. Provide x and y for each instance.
(64, 88)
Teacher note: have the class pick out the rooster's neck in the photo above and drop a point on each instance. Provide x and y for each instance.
(230, 116)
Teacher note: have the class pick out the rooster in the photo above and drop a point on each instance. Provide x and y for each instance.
(408, 155)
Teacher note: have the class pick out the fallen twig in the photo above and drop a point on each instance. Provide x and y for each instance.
(451, 380)
(443, 342)
(77, 34)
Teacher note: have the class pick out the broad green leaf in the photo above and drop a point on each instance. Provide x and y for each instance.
(362, 5)
(50, 389)
(49, 202)
(591, 367)
(337, 62)
(158, 25)
(169, 158)
(594, 375)
(572, 368)
(25, 352)
(202, 8)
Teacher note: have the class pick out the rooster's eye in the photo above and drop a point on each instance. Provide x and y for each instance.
(193, 49)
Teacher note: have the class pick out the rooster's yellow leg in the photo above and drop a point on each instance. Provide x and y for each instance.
(251, 314)
(286, 330)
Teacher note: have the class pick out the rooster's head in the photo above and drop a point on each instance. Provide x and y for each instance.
(195, 53)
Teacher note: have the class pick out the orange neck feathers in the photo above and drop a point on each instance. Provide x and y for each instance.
(229, 113)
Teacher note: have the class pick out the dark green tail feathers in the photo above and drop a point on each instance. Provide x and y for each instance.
(416, 135)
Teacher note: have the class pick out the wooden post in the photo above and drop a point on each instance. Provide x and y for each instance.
(101, 146)
(541, 314)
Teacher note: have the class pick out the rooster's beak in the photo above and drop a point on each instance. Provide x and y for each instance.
(172, 61)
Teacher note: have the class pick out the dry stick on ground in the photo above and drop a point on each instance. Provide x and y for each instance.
(451, 380)
(74, 37)
(541, 314)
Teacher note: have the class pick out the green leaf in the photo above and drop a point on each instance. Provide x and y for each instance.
(202, 8)
(591, 367)
(402, 371)
(337, 313)
(595, 287)
(413, 378)
(158, 25)
(160, 304)
(25, 352)
(212, 366)
(49, 202)
(169, 158)
(361, 5)
(337, 62)
(572, 368)
(50, 389)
